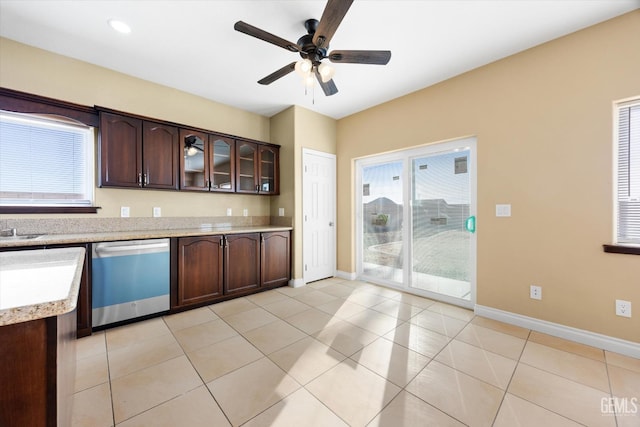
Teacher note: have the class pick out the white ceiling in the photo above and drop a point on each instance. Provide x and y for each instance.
(192, 46)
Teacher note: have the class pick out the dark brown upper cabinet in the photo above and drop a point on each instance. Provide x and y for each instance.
(223, 168)
(256, 168)
(159, 156)
(268, 172)
(120, 151)
(206, 162)
(194, 160)
(137, 153)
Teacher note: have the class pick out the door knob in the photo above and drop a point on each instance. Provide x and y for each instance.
(331, 224)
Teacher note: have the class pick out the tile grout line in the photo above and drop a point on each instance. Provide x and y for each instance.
(529, 401)
(204, 384)
(506, 389)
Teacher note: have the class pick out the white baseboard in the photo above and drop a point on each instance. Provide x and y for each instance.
(345, 275)
(296, 283)
(628, 348)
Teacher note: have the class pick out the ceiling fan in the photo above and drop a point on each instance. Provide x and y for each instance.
(313, 48)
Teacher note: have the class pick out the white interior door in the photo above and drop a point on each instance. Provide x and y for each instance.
(319, 215)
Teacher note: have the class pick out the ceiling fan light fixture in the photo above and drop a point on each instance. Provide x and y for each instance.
(303, 67)
(308, 80)
(326, 72)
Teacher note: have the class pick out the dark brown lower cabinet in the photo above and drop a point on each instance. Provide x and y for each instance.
(37, 372)
(200, 270)
(242, 263)
(84, 294)
(276, 259)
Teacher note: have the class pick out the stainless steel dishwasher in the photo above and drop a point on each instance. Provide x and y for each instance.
(129, 279)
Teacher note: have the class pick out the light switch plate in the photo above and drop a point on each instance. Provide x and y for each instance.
(503, 210)
(124, 211)
(280, 211)
(229, 212)
(157, 212)
(245, 212)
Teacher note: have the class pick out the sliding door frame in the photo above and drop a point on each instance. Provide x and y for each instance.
(407, 156)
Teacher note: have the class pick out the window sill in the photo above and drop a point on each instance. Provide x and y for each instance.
(620, 249)
(48, 209)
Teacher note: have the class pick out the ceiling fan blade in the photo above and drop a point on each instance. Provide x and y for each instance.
(334, 12)
(256, 32)
(329, 88)
(277, 74)
(376, 57)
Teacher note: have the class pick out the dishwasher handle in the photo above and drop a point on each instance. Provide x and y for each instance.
(123, 248)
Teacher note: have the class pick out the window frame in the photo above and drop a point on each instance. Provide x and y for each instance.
(619, 247)
(21, 102)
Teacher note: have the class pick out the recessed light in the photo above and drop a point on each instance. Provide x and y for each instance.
(119, 26)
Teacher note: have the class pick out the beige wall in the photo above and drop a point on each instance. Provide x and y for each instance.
(316, 132)
(294, 129)
(40, 72)
(543, 121)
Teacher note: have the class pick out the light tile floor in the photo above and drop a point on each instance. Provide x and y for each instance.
(337, 353)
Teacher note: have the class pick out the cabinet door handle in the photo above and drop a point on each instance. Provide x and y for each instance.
(257, 188)
(140, 179)
(207, 184)
(146, 179)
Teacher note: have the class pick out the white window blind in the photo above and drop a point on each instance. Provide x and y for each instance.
(45, 162)
(628, 170)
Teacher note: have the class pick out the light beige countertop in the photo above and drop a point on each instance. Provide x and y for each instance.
(56, 239)
(40, 283)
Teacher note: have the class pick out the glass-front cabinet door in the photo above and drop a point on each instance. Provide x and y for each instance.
(222, 165)
(194, 162)
(246, 167)
(268, 170)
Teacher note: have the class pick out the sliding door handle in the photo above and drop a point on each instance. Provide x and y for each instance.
(470, 224)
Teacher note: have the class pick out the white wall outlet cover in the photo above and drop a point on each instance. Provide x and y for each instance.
(124, 211)
(229, 212)
(157, 212)
(280, 211)
(503, 210)
(245, 212)
(623, 308)
(535, 292)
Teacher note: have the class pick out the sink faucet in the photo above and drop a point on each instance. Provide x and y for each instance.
(9, 232)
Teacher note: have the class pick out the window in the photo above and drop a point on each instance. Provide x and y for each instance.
(628, 173)
(45, 162)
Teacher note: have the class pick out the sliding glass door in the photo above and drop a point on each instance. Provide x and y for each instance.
(416, 220)
(441, 224)
(382, 221)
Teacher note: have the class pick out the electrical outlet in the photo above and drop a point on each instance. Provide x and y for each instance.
(229, 212)
(124, 211)
(535, 292)
(245, 212)
(623, 308)
(280, 211)
(157, 212)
